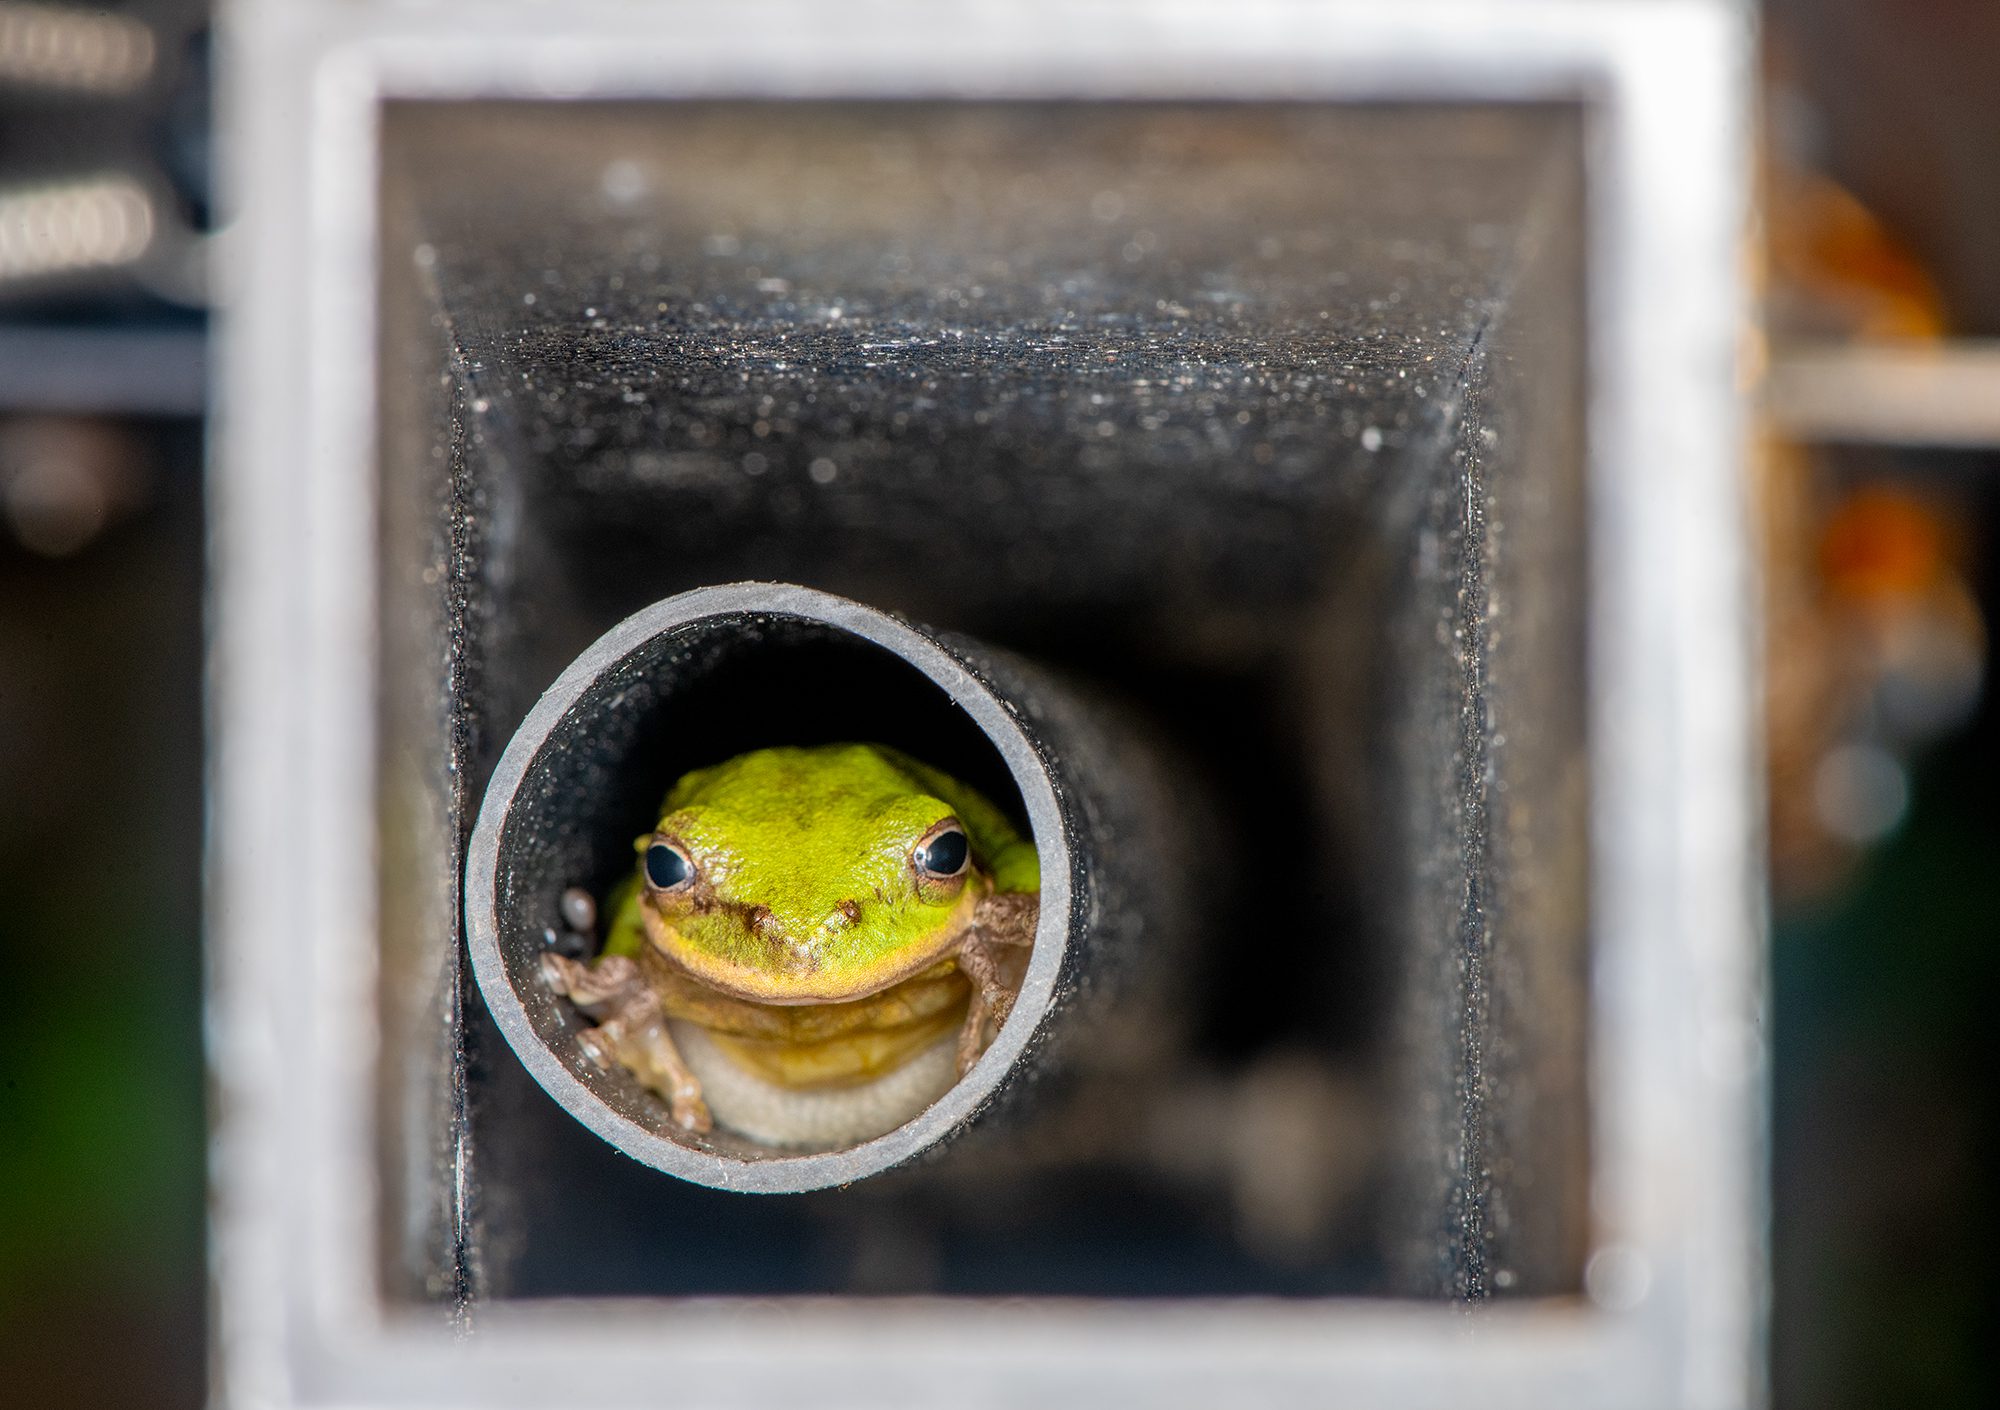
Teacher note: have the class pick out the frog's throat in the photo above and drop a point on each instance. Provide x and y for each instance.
(806, 1047)
(811, 986)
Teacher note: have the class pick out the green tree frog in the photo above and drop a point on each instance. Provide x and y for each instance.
(821, 915)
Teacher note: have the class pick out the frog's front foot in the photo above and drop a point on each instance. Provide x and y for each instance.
(994, 958)
(992, 1000)
(631, 1031)
(605, 985)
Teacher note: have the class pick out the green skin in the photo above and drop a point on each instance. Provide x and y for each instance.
(805, 891)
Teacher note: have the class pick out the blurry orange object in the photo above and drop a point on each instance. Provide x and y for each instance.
(1884, 543)
(1837, 271)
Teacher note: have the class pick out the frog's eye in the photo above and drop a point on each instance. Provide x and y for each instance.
(667, 866)
(943, 853)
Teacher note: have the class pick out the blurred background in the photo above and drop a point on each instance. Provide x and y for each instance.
(1878, 470)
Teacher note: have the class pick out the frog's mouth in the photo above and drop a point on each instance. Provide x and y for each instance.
(801, 977)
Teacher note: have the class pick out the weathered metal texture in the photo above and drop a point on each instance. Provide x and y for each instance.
(1251, 395)
(1491, 783)
(1121, 389)
(708, 674)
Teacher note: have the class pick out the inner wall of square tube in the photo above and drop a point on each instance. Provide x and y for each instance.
(707, 692)
(1230, 482)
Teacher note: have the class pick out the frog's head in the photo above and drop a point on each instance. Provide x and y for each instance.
(794, 876)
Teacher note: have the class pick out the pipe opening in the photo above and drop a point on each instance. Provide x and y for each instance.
(690, 683)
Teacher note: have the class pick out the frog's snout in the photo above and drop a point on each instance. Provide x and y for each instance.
(802, 936)
(841, 918)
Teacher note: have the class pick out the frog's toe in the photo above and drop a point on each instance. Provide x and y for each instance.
(600, 1047)
(690, 1112)
(611, 985)
(970, 1046)
(555, 971)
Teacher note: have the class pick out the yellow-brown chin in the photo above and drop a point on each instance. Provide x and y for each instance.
(844, 1061)
(806, 986)
(804, 1046)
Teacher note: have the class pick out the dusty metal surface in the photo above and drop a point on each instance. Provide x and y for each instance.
(1024, 355)
(1193, 400)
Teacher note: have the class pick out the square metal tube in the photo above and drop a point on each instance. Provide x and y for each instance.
(1487, 509)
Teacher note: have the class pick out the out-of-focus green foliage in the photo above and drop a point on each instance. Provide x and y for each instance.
(1883, 1088)
(101, 1123)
